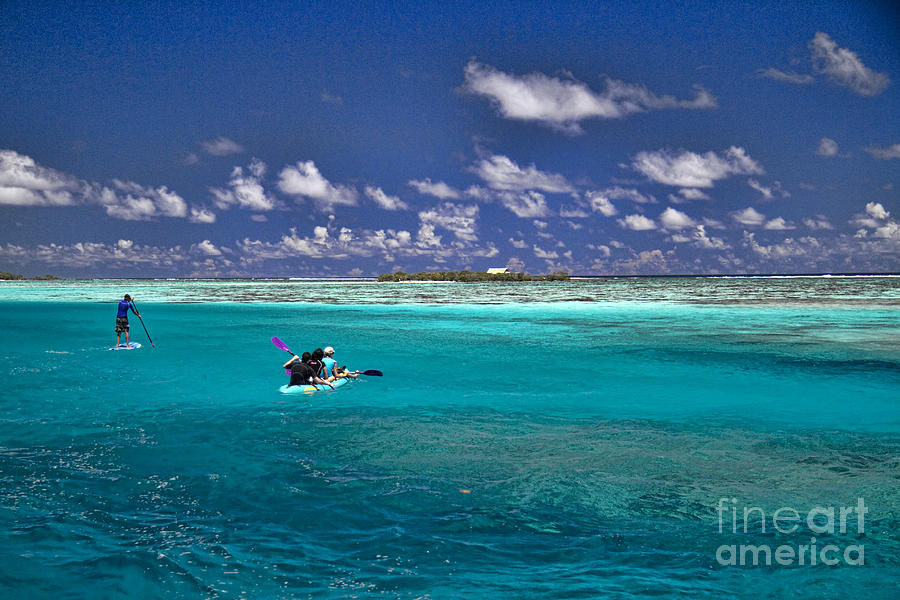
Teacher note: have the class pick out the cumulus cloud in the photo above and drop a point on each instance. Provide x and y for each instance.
(778, 224)
(601, 204)
(545, 254)
(526, 205)
(563, 102)
(789, 248)
(637, 223)
(133, 202)
(702, 240)
(885, 153)
(245, 189)
(121, 254)
(202, 215)
(876, 218)
(620, 193)
(458, 219)
(501, 173)
(23, 182)
(208, 248)
(777, 75)
(674, 220)
(222, 146)
(749, 216)
(438, 189)
(687, 194)
(845, 68)
(827, 147)
(305, 180)
(572, 212)
(386, 202)
(692, 170)
(818, 222)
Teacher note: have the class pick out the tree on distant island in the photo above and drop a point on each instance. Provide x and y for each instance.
(4, 276)
(467, 276)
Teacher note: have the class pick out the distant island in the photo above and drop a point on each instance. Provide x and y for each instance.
(471, 276)
(4, 276)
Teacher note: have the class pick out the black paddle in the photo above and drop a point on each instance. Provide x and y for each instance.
(142, 323)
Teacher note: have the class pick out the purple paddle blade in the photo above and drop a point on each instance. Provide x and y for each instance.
(281, 344)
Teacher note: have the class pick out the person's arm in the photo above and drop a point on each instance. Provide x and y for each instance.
(290, 362)
(133, 309)
(321, 381)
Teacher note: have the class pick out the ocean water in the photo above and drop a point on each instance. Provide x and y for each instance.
(593, 438)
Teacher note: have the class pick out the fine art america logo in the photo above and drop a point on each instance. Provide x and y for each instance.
(812, 551)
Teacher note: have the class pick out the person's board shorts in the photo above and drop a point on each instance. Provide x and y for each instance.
(121, 324)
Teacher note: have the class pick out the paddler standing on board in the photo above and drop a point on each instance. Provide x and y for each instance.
(122, 318)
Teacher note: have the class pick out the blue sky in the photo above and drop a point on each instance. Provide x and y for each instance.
(329, 139)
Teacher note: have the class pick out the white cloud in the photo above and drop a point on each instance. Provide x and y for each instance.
(674, 220)
(501, 173)
(245, 190)
(702, 240)
(140, 203)
(844, 68)
(458, 219)
(572, 212)
(877, 211)
(713, 223)
(778, 224)
(222, 146)
(437, 189)
(202, 215)
(386, 202)
(518, 243)
(827, 147)
(789, 248)
(601, 204)
(208, 248)
(545, 254)
(637, 223)
(749, 216)
(691, 170)
(885, 153)
(562, 103)
(794, 78)
(818, 222)
(620, 193)
(526, 205)
(23, 182)
(305, 180)
(685, 194)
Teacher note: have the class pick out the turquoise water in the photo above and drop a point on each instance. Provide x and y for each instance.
(527, 440)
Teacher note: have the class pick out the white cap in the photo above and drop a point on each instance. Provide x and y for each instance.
(328, 350)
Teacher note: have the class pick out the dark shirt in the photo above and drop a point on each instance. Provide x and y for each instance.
(317, 367)
(301, 374)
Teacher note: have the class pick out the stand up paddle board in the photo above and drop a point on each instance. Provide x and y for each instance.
(130, 346)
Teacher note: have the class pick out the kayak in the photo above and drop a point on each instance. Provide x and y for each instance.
(302, 389)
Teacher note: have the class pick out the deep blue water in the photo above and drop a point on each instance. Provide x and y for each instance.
(526, 441)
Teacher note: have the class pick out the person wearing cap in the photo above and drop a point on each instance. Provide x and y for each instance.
(122, 318)
(332, 371)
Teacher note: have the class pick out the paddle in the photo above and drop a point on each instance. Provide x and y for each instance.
(142, 324)
(372, 372)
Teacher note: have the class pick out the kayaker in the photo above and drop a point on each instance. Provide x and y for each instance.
(301, 371)
(332, 371)
(315, 362)
(122, 318)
